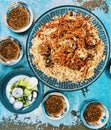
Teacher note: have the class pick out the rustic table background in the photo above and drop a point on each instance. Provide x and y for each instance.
(99, 90)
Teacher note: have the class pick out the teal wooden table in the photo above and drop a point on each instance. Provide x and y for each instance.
(99, 90)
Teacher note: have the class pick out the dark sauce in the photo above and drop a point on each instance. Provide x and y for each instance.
(9, 50)
(18, 18)
(93, 113)
(54, 105)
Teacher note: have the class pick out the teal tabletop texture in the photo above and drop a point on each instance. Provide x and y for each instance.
(99, 90)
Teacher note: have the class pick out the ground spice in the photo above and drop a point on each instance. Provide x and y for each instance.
(18, 18)
(9, 50)
(54, 105)
(93, 113)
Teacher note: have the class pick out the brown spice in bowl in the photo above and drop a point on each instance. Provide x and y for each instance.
(54, 105)
(18, 18)
(9, 50)
(93, 113)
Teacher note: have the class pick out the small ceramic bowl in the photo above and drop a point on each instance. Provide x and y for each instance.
(15, 5)
(66, 108)
(12, 105)
(12, 62)
(101, 122)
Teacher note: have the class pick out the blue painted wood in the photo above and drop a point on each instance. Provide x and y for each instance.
(99, 90)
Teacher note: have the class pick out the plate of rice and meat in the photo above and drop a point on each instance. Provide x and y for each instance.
(68, 48)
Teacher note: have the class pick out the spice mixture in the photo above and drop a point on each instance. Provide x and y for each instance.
(9, 50)
(18, 18)
(54, 105)
(93, 113)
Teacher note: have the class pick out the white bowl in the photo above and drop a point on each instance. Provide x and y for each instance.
(15, 5)
(66, 109)
(103, 120)
(12, 62)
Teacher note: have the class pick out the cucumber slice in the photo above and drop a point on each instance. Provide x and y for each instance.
(27, 92)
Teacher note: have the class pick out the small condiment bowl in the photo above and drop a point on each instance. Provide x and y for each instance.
(101, 122)
(12, 62)
(15, 5)
(66, 108)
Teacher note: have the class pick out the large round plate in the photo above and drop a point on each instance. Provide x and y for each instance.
(46, 17)
(3, 91)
